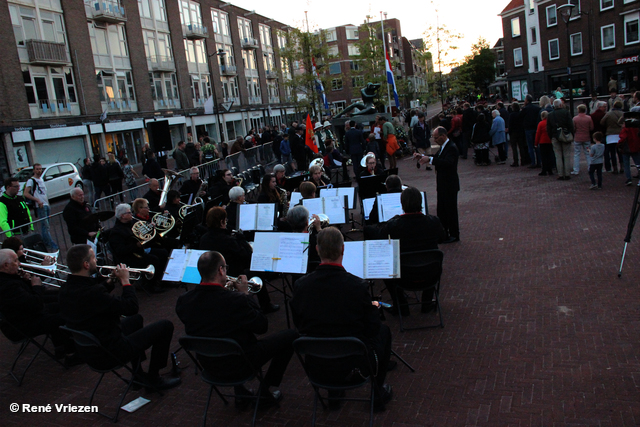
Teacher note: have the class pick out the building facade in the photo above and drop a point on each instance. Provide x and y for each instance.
(599, 40)
(83, 79)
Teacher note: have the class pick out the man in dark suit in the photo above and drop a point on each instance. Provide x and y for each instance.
(333, 303)
(211, 310)
(447, 183)
(354, 143)
(75, 215)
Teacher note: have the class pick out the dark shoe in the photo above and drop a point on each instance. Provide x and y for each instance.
(532, 166)
(394, 310)
(334, 395)
(73, 360)
(271, 308)
(567, 178)
(162, 383)
(628, 182)
(538, 166)
(243, 397)
(385, 397)
(428, 307)
(542, 174)
(418, 165)
(560, 178)
(514, 165)
(428, 168)
(392, 365)
(452, 240)
(270, 399)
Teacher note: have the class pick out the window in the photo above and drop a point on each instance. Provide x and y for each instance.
(554, 49)
(244, 28)
(26, 25)
(352, 33)
(333, 51)
(515, 27)
(631, 35)
(575, 11)
(552, 17)
(536, 66)
(517, 57)
(336, 84)
(576, 44)
(190, 13)
(534, 36)
(354, 66)
(265, 37)
(334, 68)
(357, 82)
(164, 86)
(331, 35)
(153, 9)
(353, 50)
(606, 4)
(532, 6)
(220, 21)
(607, 37)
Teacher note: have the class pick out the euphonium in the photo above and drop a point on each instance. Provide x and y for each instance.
(169, 176)
(324, 222)
(184, 209)
(255, 284)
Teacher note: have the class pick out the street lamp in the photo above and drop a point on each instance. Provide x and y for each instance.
(565, 12)
(221, 53)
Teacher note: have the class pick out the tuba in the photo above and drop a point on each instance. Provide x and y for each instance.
(169, 177)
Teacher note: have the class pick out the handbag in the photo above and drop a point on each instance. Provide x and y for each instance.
(564, 136)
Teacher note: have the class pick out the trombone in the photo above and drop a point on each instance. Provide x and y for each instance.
(45, 272)
(255, 284)
(34, 256)
(134, 273)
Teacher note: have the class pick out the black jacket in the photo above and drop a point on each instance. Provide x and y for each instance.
(468, 119)
(123, 243)
(74, 214)
(559, 118)
(530, 115)
(446, 164)
(99, 174)
(154, 200)
(515, 124)
(416, 231)
(235, 249)
(481, 133)
(421, 137)
(354, 141)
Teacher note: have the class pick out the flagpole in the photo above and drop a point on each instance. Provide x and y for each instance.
(384, 51)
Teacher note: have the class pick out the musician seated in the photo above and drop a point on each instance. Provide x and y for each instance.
(24, 304)
(308, 190)
(127, 248)
(141, 211)
(279, 172)
(153, 195)
(416, 232)
(193, 187)
(393, 184)
(372, 166)
(235, 249)
(236, 198)
(96, 306)
(332, 157)
(173, 207)
(210, 310)
(291, 168)
(269, 193)
(219, 186)
(298, 220)
(333, 303)
(316, 176)
(75, 215)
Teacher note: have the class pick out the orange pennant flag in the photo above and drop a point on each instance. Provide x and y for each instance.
(308, 140)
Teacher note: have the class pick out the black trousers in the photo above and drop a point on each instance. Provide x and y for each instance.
(548, 157)
(277, 348)
(447, 211)
(156, 336)
(519, 144)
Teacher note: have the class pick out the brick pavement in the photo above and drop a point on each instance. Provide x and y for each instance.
(539, 331)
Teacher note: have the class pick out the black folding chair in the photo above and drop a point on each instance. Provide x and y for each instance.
(330, 351)
(85, 340)
(34, 241)
(219, 348)
(24, 340)
(420, 271)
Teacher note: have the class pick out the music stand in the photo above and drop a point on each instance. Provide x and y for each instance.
(292, 183)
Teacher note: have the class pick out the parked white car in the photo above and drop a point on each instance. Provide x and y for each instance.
(59, 178)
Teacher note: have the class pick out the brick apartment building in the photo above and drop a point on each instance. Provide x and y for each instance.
(604, 42)
(66, 63)
(345, 73)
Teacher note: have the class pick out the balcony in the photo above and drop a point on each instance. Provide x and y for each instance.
(166, 103)
(255, 100)
(228, 70)
(274, 100)
(199, 102)
(249, 43)
(119, 104)
(54, 108)
(46, 53)
(195, 32)
(161, 63)
(271, 74)
(108, 11)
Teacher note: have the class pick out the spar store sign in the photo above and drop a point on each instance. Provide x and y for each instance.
(627, 60)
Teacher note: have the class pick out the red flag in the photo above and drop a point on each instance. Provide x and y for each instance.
(308, 140)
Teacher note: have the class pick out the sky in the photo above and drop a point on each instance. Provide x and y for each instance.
(469, 18)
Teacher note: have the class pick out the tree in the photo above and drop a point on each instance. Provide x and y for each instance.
(476, 72)
(370, 61)
(444, 42)
(300, 48)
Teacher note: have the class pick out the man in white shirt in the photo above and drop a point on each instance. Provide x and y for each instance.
(36, 191)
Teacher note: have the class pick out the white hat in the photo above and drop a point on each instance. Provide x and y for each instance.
(317, 126)
(363, 162)
(326, 123)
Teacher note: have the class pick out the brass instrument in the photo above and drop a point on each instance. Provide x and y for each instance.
(45, 272)
(284, 200)
(317, 162)
(143, 231)
(169, 177)
(163, 222)
(134, 273)
(324, 222)
(37, 256)
(184, 209)
(255, 284)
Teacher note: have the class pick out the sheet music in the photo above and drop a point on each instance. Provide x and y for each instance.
(313, 205)
(290, 252)
(353, 260)
(261, 262)
(247, 217)
(350, 192)
(295, 198)
(175, 266)
(266, 214)
(389, 206)
(367, 204)
(334, 209)
(378, 256)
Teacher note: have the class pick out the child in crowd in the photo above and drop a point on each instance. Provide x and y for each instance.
(596, 152)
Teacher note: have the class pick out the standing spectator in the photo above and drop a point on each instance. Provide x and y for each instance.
(517, 138)
(285, 148)
(389, 140)
(612, 85)
(468, 120)
(530, 115)
(596, 117)
(179, 155)
(543, 143)
(498, 137)
(192, 153)
(593, 104)
(455, 133)
(237, 148)
(14, 212)
(629, 147)
(597, 154)
(636, 102)
(87, 178)
(354, 145)
(298, 146)
(115, 176)
(480, 139)
(421, 136)
(382, 143)
(36, 191)
(557, 121)
(100, 178)
(612, 126)
(581, 143)
(152, 169)
(250, 152)
(130, 176)
(613, 98)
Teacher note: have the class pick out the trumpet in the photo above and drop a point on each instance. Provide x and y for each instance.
(324, 222)
(134, 273)
(255, 284)
(40, 257)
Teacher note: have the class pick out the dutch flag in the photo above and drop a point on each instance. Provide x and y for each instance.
(391, 80)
